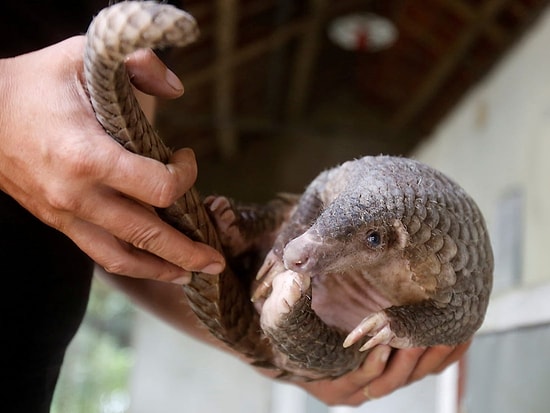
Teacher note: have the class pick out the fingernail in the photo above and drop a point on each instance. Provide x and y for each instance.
(184, 279)
(174, 81)
(214, 268)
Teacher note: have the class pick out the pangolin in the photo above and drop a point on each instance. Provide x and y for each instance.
(385, 250)
(377, 250)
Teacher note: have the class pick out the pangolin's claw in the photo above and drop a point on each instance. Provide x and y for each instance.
(262, 291)
(267, 266)
(266, 274)
(384, 336)
(376, 325)
(288, 287)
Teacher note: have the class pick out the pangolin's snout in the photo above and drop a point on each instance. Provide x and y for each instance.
(300, 254)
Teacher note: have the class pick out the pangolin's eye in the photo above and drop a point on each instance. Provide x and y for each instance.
(374, 239)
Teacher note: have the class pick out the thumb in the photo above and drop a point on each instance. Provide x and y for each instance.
(150, 75)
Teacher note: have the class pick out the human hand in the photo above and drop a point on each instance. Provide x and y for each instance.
(57, 162)
(383, 372)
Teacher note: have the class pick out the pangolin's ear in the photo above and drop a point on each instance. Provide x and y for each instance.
(400, 235)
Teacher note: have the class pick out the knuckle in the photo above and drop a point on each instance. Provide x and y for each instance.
(145, 238)
(74, 170)
(60, 199)
(167, 192)
(114, 268)
(179, 176)
(119, 263)
(113, 264)
(54, 219)
(193, 260)
(78, 161)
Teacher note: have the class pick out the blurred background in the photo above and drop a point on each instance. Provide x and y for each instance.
(275, 92)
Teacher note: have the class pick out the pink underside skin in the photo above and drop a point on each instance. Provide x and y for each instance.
(343, 300)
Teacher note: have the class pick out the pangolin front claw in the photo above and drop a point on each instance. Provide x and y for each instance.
(377, 326)
(266, 274)
(384, 336)
(288, 287)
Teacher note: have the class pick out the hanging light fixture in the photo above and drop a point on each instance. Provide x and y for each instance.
(366, 32)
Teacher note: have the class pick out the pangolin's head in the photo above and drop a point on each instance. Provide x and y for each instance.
(388, 215)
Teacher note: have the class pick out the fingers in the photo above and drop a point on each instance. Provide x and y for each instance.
(410, 365)
(150, 181)
(149, 74)
(120, 258)
(111, 180)
(349, 389)
(141, 228)
(396, 374)
(372, 368)
(436, 359)
(384, 371)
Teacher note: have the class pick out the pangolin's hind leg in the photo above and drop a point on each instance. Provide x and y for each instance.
(247, 231)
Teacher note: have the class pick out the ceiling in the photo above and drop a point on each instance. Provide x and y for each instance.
(263, 68)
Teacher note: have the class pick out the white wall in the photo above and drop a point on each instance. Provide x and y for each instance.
(175, 373)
